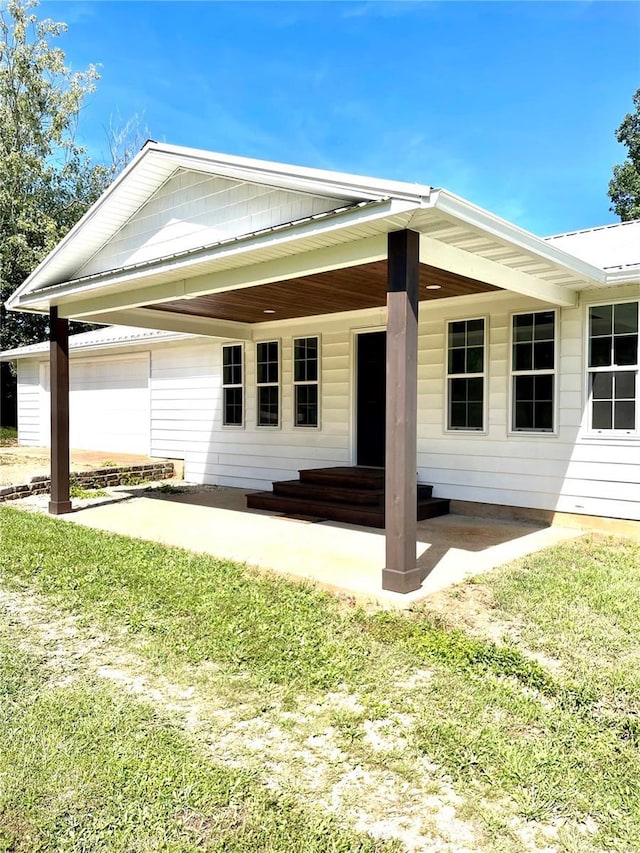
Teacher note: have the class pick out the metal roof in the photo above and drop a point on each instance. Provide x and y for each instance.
(157, 162)
(107, 336)
(372, 207)
(611, 247)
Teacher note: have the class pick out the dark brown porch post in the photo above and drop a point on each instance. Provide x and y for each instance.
(59, 384)
(401, 574)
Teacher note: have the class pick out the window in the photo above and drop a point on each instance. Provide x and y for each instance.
(232, 385)
(305, 381)
(533, 363)
(268, 382)
(613, 367)
(465, 374)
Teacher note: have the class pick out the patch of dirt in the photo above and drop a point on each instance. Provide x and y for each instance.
(14, 468)
(299, 753)
(18, 463)
(472, 608)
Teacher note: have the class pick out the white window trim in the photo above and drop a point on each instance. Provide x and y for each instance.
(608, 435)
(317, 382)
(484, 376)
(527, 433)
(277, 384)
(241, 385)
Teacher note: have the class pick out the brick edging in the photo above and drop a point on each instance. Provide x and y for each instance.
(96, 479)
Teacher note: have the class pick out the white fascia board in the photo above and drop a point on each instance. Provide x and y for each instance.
(510, 234)
(623, 276)
(455, 260)
(286, 176)
(113, 189)
(123, 279)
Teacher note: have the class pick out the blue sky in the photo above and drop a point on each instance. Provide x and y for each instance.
(512, 105)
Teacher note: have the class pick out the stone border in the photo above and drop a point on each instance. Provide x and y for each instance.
(99, 478)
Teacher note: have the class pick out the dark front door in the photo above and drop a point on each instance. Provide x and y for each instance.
(371, 398)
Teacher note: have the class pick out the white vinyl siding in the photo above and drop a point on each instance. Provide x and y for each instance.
(571, 470)
(108, 404)
(564, 472)
(185, 397)
(256, 456)
(30, 409)
(193, 209)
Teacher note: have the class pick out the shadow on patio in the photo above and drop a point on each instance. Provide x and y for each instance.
(337, 556)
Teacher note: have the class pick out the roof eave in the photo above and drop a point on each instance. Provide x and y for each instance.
(297, 178)
(489, 223)
(38, 350)
(353, 217)
(623, 276)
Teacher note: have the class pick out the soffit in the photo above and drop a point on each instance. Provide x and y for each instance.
(347, 289)
(463, 235)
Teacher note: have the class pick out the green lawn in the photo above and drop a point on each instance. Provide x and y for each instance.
(8, 435)
(503, 719)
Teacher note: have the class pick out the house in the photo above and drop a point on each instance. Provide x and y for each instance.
(302, 319)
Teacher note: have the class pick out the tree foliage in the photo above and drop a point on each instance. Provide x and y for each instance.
(624, 187)
(47, 180)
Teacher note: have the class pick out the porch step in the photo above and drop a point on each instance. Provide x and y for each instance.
(349, 476)
(352, 495)
(369, 516)
(329, 493)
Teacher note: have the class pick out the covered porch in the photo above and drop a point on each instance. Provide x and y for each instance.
(343, 558)
(394, 247)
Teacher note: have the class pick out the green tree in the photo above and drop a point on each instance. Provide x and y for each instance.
(47, 181)
(624, 187)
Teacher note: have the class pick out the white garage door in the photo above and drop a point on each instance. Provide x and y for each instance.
(109, 404)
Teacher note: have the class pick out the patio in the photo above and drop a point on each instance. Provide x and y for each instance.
(339, 557)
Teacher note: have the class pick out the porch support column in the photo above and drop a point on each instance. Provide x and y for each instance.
(401, 573)
(59, 383)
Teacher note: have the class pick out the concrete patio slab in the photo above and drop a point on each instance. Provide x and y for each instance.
(337, 556)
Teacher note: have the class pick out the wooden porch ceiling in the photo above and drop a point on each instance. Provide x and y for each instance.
(347, 289)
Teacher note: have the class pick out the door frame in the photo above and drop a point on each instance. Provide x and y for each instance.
(353, 395)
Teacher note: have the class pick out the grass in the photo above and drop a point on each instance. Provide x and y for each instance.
(80, 493)
(8, 436)
(580, 605)
(84, 769)
(167, 489)
(523, 738)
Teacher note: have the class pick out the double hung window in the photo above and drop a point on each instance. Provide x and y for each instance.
(613, 364)
(533, 369)
(232, 385)
(306, 352)
(466, 374)
(268, 383)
